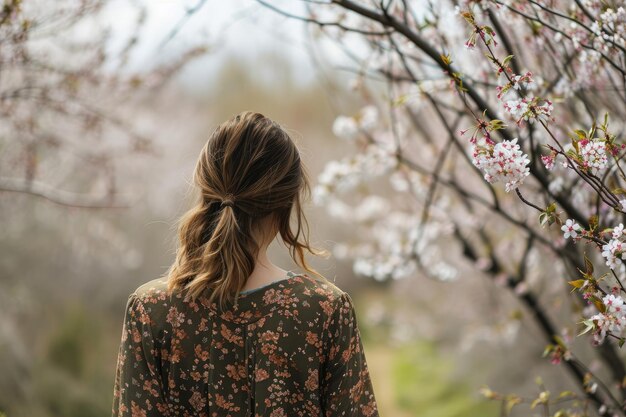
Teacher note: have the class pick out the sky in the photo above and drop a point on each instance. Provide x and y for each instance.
(244, 29)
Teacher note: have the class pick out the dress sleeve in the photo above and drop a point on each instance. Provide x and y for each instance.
(137, 389)
(346, 387)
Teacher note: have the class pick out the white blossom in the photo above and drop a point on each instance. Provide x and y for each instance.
(369, 208)
(612, 320)
(504, 162)
(564, 87)
(344, 175)
(612, 250)
(570, 228)
(529, 108)
(345, 127)
(368, 117)
(593, 154)
(556, 185)
(408, 181)
(517, 108)
(399, 242)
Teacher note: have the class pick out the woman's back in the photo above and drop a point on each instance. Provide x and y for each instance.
(290, 348)
(195, 344)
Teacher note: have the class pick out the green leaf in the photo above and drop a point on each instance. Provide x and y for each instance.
(599, 304)
(496, 124)
(488, 393)
(547, 350)
(559, 340)
(548, 215)
(446, 59)
(593, 222)
(573, 154)
(491, 58)
(506, 60)
(577, 283)
(534, 404)
(542, 399)
(607, 230)
(511, 401)
(590, 325)
(581, 134)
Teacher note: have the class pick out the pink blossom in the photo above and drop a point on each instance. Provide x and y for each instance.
(529, 108)
(504, 162)
(593, 154)
(548, 161)
(516, 82)
(612, 320)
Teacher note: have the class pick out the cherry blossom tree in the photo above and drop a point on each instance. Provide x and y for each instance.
(65, 96)
(73, 114)
(499, 126)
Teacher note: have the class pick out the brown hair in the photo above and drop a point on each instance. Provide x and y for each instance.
(249, 171)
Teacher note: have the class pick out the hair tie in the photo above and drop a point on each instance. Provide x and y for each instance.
(228, 201)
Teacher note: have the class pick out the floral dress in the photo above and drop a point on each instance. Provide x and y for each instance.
(290, 348)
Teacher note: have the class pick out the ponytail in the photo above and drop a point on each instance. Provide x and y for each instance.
(216, 258)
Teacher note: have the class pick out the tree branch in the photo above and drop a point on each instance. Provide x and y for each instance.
(57, 196)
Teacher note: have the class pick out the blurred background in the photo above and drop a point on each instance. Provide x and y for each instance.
(105, 107)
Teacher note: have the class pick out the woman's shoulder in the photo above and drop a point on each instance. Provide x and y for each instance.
(324, 293)
(155, 288)
(322, 287)
(151, 296)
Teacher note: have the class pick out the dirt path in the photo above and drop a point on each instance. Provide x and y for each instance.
(379, 361)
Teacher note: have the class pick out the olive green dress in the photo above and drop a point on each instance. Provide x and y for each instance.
(290, 348)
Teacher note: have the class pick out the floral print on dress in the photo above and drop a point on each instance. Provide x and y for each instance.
(290, 348)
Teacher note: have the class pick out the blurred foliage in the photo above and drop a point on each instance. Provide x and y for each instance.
(68, 379)
(68, 347)
(61, 395)
(411, 378)
(423, 386)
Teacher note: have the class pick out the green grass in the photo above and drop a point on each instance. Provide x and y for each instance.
(424, 388)
(413, 378)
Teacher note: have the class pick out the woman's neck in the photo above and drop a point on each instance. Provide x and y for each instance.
(264, 273)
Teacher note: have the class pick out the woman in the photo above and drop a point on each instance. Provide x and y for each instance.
(226, 332)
